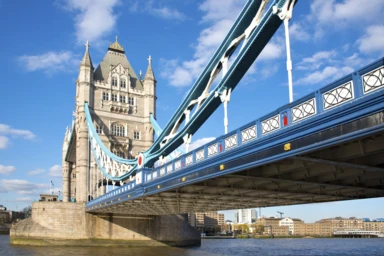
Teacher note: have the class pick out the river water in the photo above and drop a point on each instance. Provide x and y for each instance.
(237, 247)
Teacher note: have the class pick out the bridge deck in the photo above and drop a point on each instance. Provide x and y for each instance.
(331, 153)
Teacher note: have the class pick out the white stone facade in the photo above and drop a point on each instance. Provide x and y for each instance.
(120, 103)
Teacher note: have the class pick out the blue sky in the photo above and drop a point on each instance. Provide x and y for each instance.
(43, 42)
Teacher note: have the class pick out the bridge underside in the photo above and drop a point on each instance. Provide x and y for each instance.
(353, 170)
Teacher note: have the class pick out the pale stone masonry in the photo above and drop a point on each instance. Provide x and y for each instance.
(121, 103)
(68, 224)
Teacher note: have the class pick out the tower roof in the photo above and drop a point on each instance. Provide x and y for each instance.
(149, 74)
(116, 47)
(87, 57)
(114, 57)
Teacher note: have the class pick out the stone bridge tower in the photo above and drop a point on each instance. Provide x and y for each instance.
(120, 104)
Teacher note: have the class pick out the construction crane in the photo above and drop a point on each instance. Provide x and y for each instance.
(281, 214)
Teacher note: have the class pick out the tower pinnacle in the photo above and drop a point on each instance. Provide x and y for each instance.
(86, 61)
(116, 46)
(149, 74)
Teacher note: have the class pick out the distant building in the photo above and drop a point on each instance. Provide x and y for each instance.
(48, 198)
(292, 224)
(2, 208)
(246, 216)
(206, 220)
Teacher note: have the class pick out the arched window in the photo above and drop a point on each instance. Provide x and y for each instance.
(114, 97)
(105, 96)
(122, 98)
(123, 83)
(118, 130)
(136, 135)
(114, 81)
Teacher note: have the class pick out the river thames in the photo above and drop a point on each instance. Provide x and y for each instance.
(238, 247)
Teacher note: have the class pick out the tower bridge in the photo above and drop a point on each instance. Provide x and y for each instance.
(327, 146)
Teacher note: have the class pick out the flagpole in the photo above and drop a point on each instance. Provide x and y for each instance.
(50, 188)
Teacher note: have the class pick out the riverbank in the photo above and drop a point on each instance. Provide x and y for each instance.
(4, 229)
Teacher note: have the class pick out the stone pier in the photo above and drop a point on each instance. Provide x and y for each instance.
(68, 224)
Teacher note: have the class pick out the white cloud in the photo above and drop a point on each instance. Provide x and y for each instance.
(8, 130)
(36, 172)
(373, 40)
(4, 141)
(6, 169)
(316, 60)
(347, 12)
(157, 10)
(273, 50)
(324, 75)
(357, 61)
(23, 187)
(200, 142)
(220, 10)
(94, 18)
(55, 171)
(23, 199)
(49, 62)
(219, 17)
(298, 32)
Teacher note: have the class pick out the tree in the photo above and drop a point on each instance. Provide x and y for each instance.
(27, 211)
(244, 228)
(259, 229)
(216, 229)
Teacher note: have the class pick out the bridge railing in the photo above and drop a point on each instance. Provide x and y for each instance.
(337, 94)
(328, 99)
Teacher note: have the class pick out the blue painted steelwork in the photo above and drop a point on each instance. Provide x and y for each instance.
(199, 165)
(199, 98)
(105, 159)
(158, 131)
(172, 137)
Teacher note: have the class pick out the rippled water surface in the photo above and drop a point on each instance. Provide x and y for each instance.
(238, 247)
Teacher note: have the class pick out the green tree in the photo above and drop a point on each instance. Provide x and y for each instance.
(216, 229)
(259, 229)
(244, 228)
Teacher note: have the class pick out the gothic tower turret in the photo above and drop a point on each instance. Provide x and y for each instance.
(65, 168)
(120, 104)
(84, 93)
(150, 96)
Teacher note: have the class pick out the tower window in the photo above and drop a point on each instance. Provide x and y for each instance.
(136, 135)
(122, 98)
(114, 97)
(118, 130)
(99, 130)
(114, 81)
(131, 101)
(123, 83)
(119, 153)
(105, 96)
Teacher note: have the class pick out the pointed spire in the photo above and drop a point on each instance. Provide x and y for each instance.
(87, 57)
(149, 74)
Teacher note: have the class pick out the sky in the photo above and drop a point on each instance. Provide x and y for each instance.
(43, 42)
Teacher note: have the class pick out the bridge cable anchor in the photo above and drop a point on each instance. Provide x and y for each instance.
(225, 97)
(285, 14)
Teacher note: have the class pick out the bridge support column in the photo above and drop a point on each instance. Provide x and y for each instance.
(82, 160)
(47, 226)
(66, 180)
